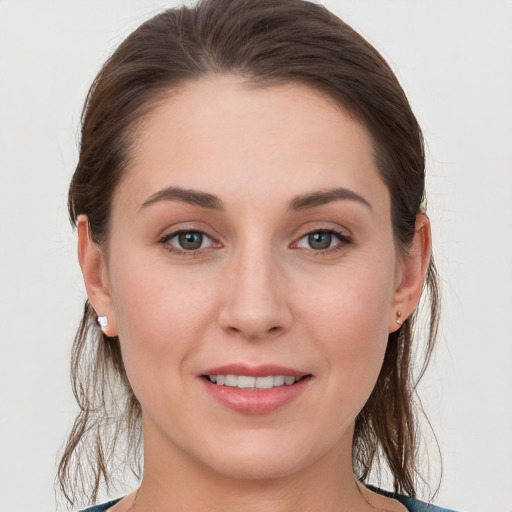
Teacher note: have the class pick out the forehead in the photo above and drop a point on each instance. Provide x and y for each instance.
(231, 139)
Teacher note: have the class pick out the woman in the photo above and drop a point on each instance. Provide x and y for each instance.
(249, 201)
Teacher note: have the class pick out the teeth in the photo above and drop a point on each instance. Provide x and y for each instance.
(279, 380)
(247, 382)
(289, 380)
(231, 381)
(265, 382)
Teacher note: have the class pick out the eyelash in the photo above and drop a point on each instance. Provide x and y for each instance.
(343, 240)
(176, 250)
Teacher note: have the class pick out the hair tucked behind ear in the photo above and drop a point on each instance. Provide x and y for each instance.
(265, 43)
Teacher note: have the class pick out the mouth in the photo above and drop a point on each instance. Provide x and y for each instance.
(255, 390)
(254, 383)
(260, 389)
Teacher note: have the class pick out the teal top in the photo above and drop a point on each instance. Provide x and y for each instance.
(411, 504)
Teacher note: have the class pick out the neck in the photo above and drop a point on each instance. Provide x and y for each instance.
(173, 480)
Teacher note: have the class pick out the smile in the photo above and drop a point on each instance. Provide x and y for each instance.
(260, 389)
(253, 383)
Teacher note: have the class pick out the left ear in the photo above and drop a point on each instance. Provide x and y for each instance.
(410, 276)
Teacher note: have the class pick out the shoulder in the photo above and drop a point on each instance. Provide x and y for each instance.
(101, 508)
(419, 506)
(411, 504)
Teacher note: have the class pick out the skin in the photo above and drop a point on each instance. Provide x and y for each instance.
(255, 292)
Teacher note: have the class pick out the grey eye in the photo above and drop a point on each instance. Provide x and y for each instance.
(187, 241)
(190, 241)
(320, 240)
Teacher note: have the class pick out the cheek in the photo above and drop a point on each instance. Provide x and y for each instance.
(160, 321)
(348, 317)
(150, 297)
(354, 303)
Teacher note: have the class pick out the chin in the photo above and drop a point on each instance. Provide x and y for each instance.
(260, 456)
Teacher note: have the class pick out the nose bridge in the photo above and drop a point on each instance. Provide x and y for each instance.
(254, 304)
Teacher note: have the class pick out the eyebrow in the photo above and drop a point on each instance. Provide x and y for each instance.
(322, 197)
(212, 202)
(194, 197)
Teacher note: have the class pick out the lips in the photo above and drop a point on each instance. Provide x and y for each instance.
(255, 389)
(255, 371)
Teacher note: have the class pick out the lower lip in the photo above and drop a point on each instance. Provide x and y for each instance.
(256, 402)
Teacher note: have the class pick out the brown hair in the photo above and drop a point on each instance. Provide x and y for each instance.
(265, 42)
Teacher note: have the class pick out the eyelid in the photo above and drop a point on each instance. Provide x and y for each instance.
(165, 239)
(343, 239)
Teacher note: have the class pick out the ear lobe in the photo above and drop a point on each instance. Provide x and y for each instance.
(94, 272)
(411, 273)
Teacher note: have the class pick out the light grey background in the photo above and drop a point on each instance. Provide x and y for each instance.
(453, 58)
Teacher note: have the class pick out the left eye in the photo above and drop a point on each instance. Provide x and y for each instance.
(321, 240)
(189, 240)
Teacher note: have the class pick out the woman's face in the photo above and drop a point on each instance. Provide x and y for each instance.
(251, 238)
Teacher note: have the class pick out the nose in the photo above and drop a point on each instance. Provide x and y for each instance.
(255, 303)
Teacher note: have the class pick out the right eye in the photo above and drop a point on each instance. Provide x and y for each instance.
(187, 241)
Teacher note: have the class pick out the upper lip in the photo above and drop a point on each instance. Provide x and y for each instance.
(262, 370)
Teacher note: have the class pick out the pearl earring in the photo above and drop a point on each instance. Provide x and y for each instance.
(398, 315)
(103, 321)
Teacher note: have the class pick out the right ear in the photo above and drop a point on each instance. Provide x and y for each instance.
(94, 271)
